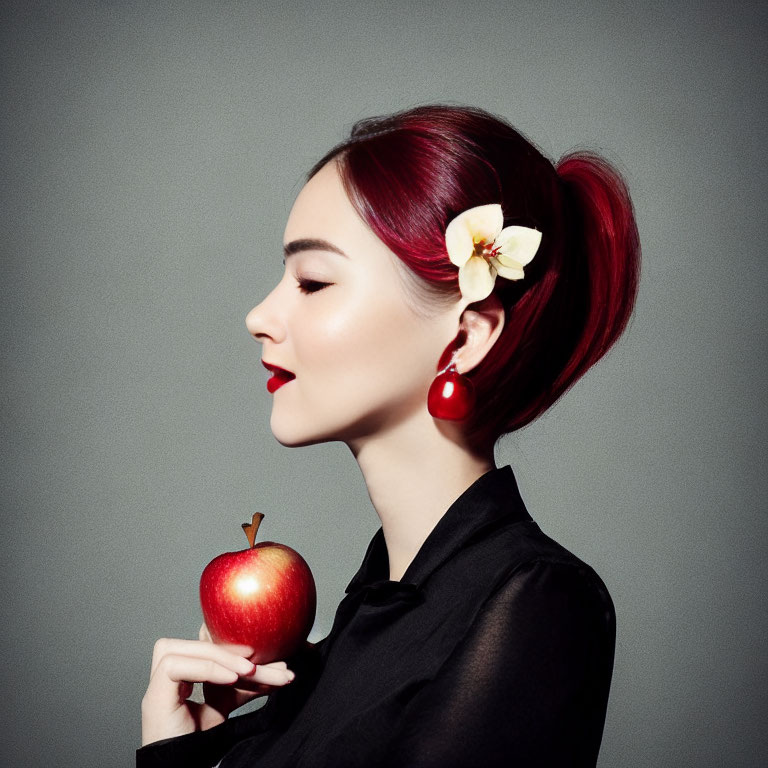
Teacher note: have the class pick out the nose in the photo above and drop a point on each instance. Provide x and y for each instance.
(263, 322)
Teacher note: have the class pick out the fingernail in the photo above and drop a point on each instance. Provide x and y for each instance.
(291, 677)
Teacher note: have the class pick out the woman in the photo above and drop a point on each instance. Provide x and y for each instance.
(444, 285)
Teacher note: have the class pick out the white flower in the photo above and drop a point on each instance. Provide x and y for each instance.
(481, 249)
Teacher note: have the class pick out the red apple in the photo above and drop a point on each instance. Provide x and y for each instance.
(263, 596)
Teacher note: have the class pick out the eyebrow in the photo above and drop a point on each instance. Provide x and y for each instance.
(310, 244)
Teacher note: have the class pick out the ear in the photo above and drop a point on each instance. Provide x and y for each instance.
(481, 325)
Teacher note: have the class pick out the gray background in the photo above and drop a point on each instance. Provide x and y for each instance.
(151, 152)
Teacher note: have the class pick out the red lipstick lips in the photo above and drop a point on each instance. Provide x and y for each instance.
(279, 376)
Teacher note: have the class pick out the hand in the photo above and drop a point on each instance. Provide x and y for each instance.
(166, 710)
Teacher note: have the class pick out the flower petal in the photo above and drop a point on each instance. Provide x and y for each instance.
(518, 244)
(481, 223)
(484, 222)
(458, 242)
(510, 271)
(476, 279)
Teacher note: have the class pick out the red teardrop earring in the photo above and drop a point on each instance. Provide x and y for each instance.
(451, 395)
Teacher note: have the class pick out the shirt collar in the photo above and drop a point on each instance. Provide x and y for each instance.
(492, 500)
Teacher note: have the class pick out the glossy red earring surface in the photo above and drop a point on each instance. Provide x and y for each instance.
(451, 395)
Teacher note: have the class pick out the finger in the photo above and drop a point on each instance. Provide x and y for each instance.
(266, 674)
(234, 656)
(275, 665)
(204, 634)
(175, 672)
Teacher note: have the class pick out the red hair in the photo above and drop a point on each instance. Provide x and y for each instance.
(408, 174)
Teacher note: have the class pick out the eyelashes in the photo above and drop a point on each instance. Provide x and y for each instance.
(311, 286)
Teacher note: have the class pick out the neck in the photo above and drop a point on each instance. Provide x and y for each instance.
(413, 473)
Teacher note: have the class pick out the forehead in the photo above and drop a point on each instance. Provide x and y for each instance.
(322, 210)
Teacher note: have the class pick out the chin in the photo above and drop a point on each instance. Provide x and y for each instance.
(288, 442)
(295, 435)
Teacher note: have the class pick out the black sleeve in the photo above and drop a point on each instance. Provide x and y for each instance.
(528, 686)
(201, 749)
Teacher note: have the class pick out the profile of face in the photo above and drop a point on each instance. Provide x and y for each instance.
(341, 320)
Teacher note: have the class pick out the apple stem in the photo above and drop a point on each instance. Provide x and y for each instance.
(251, 528)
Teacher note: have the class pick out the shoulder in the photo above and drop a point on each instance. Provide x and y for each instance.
(564, 593)
(526, 567)
(549, 598)
(550, 618)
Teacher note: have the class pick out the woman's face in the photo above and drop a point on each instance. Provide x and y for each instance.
(342, 323)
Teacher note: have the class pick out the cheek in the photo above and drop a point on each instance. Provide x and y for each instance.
(355, 334)
(363, 339)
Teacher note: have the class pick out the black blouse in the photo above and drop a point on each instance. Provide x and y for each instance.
(494, 649)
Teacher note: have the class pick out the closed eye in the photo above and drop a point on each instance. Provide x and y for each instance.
(311, 286)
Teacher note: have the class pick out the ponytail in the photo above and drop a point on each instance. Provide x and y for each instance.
(575, 309)
(602, 239)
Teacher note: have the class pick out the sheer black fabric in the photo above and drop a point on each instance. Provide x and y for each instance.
(494, 649)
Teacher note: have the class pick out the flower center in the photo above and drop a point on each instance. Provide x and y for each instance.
(484, 250)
